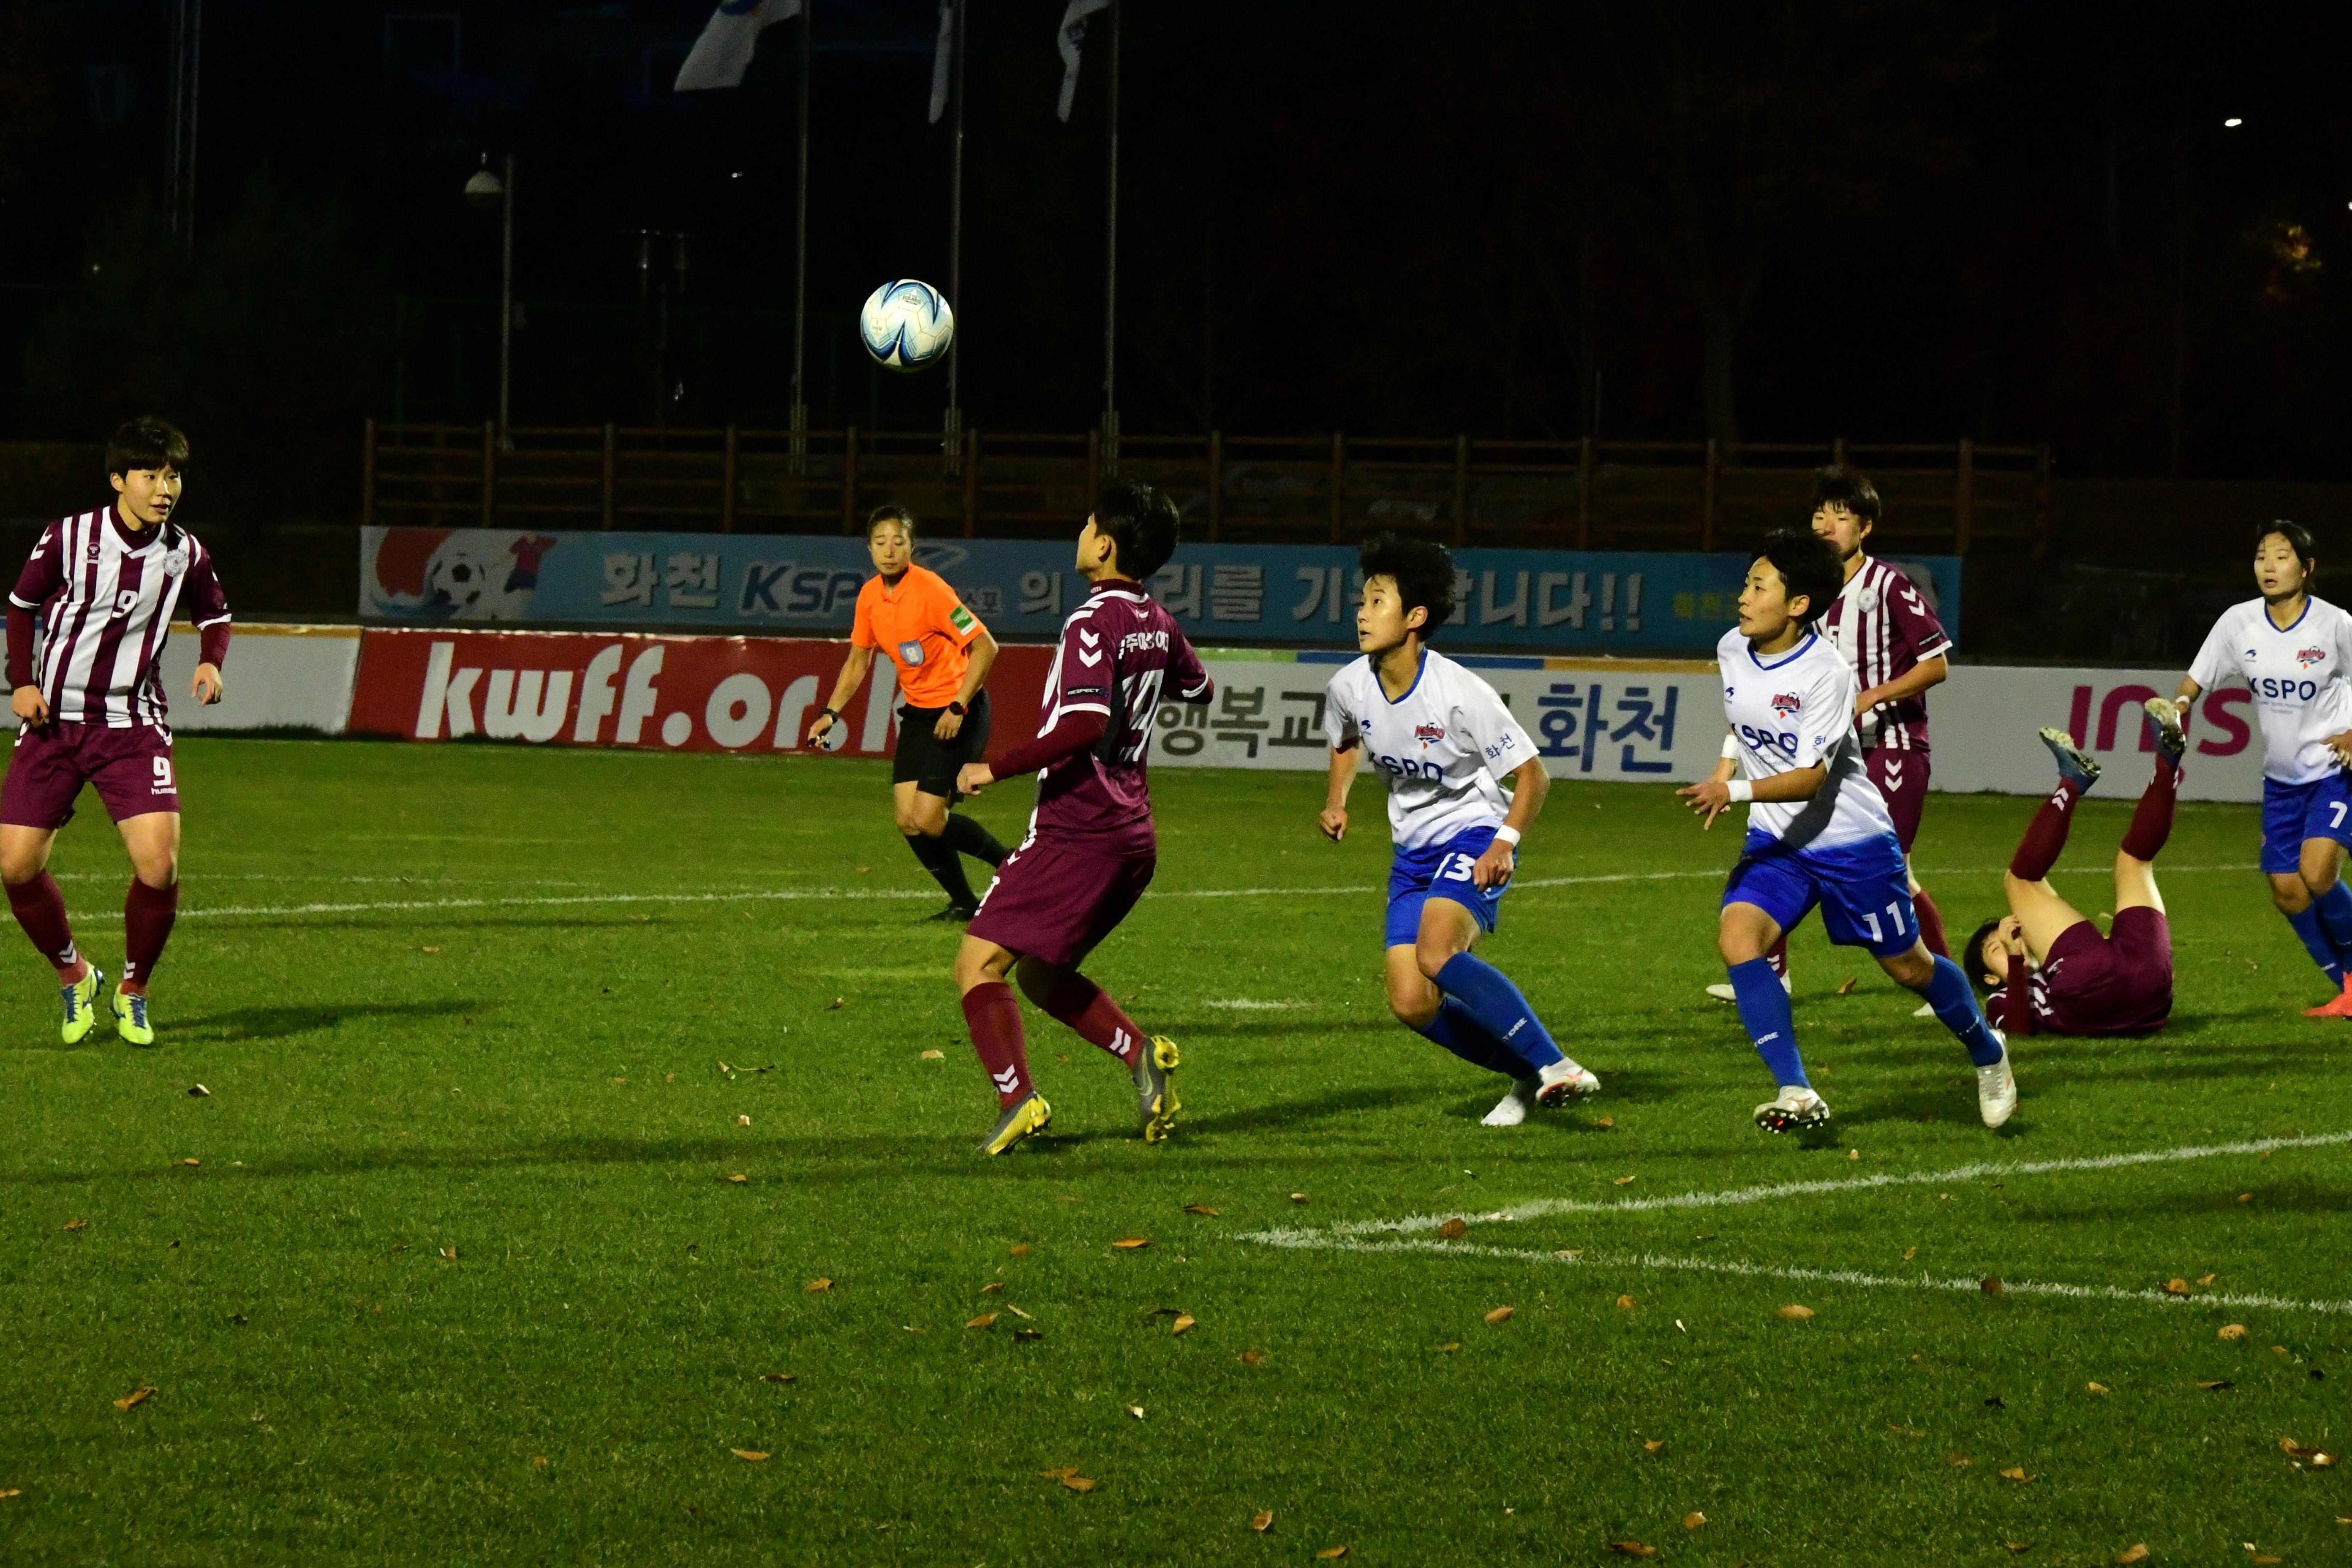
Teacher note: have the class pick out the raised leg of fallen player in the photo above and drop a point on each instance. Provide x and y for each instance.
(152, 841)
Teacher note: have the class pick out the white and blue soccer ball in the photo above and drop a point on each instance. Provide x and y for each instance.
(906, 325)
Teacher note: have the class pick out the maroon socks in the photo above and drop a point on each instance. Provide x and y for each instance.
(2045, 835)
(1931, 923)
(2151, 823)
(992, 1014)
(1087, 1009)
(147, 916)
(1779, 957)
(39, 906)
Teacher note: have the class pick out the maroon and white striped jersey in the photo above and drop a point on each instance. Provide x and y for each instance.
(105, 597)
(1885, 627)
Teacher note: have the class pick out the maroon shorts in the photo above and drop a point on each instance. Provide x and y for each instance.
(1902, 778)
(131, 768)
(1054, 902)
(2120, 983)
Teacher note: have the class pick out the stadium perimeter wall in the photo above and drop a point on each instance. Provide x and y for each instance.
(1614, 719)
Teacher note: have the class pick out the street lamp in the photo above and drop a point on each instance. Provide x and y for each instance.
(486, 190)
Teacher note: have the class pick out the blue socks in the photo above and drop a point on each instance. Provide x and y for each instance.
(1956, 1008)
(2334, 907)
(2308, 925)
(1490, 999)
(1771, 1022)
(1458, 1032)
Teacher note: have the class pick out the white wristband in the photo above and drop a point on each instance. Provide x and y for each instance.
(1730, 745)
(1508, 835)
(1741, 790)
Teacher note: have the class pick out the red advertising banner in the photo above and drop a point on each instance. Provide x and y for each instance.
(681, 693)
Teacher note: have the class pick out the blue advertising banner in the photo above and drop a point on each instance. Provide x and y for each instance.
(1238, 595)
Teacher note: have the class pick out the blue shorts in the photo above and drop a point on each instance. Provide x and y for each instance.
(1863, 889)
(2292, 813)
(1440, 871)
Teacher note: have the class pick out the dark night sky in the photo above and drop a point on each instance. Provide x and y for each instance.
(1892, 219)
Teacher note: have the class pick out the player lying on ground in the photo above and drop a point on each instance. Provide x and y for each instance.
(942, 655)
(1818, 831)
(103, 587)
(1090, 849)
(2295, 652)
(2044, 967)
(1897, 649)
(1442, 739)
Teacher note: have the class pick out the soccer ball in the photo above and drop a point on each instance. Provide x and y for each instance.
(906, 325)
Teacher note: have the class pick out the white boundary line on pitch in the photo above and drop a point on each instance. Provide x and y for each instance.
(1337, 1235)
(1653, 1260)
(801, 895)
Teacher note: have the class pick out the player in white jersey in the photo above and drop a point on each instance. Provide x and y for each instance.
(1818, 831)
(1442, 740)
(98, 596)
(2295, 652)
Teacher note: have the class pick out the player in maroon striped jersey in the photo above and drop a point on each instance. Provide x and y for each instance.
(100, 591)
(1091, 848)
(1897, 648)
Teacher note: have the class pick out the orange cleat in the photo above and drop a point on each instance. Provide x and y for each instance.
(2339, 1008)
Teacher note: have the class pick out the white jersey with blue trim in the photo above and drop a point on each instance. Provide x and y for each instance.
(1442, 746)
(2300, 677)
(1789, 711)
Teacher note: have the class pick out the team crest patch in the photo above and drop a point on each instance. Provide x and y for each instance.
(910, 652)
(174, 562)
(1786, 703)
(1426, 733)
(961, 618)
(2308, 657)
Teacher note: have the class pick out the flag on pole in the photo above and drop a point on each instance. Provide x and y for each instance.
(941, 56)
(723, 53)
(1073, 38)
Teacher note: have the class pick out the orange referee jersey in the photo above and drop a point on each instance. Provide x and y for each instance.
(925, 630)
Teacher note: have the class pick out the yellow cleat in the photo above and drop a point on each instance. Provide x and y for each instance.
(1017, 1123)
(81, 1005)
(131, 1017)
(1155, 1091)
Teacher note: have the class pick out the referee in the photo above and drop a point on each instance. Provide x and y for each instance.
(943, 654)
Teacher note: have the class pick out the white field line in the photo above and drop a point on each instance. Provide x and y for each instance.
(1727, 1197)
(1652, 1260)
(798, 895)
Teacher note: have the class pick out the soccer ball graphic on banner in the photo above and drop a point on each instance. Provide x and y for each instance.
(906, 324)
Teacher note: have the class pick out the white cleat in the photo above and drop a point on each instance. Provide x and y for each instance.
(1513, 1107)
(1925, 1010)
(1722, 990)
(1997, 1087)
(1563, 1081)
(1797, 1108)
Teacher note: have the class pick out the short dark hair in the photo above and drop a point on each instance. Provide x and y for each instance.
(1808, 564)
(2296, 535)
(1972, 955)
(146, 443)
(1422, 569)
(1843, 484)
(1142, 523)
(898, 514)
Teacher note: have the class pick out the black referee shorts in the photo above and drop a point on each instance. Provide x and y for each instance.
(930, 763)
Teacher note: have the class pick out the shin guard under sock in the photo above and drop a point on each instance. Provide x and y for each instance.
(2045, 835)
(1931, 923)
(1488, 995)
(1771, 1020)
(1954, 1002)
(147, 916)
(39, 906)
(1458, 1032)
(945, 869)
(992, 1014)
(2151, 822)
(966, 837)
(1088, 1010)
(2334, 907)
(2306, 923)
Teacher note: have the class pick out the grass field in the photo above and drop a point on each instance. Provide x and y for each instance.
(452, 1266)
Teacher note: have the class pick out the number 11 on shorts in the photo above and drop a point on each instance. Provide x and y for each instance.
(1893, 913)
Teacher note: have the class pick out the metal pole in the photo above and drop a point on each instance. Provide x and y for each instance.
(952, 439)
(506, 306)
(1110, 270)
(187, 53)
(800, 254)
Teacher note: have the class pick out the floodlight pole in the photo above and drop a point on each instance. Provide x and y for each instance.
(1110, 271)
(799, 258)
(506, 306)
(951, 434)
(186, 55)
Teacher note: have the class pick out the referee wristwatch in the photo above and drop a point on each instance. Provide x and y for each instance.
(956, 709)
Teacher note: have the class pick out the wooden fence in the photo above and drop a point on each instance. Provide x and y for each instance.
(1598, 495)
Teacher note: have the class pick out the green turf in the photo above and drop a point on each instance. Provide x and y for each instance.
(479, 1050)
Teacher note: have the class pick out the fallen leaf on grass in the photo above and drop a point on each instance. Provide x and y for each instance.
(1570, 1252)
(1621, 1181)
(2245, 1197)
(817, 1286)
(1200, 1208)
(2263, 1560)
(1262, 1520)
(77, 1224)
(1132, 1242)
(2016, 1473)
(2218, 1385)
(935, 1056)
(1854, 1154)
(199, 1091)
(1078, 1483)
(1184, 1321)
(1253, 1358)
(136, 1396)
(1797, 1312)
(1019, 1313)
(738, 1179)
(1632, 1548)
(539, 1461)
(1449, 1348)
(1606, 1122)
(2097, 1387)
(2176, 1286)
(749, 1455)
(1329, 1552)
(1847, 989)
(1990, 1286)
(1136, 1411)
(2207, 1278)
(1064, 1474)
(2015, 1545)
(7, 1492)
(192, 1161)
(450, 1253)
(1027, 1334)
(983, 1321)
(776, 1376)
(1298, 1197)
(994, 1287)
(836, 1003)
(1019, 1249)
(1654, 1445)
(2134, 1553)
(2232, 1331)
(742, 1121)
(1958, 1461)
(1909, 1253)
(428, 949)
(1451, 1229)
